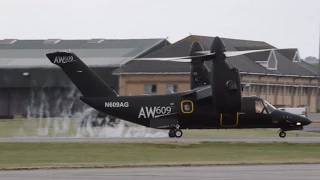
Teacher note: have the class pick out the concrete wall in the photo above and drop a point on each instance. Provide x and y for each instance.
(134, 84)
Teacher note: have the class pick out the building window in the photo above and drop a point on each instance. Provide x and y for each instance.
(255, 88)
(263, 89)
(305, 91)
(150, 88)
(172, 88)
(272, 61)
(272, 89)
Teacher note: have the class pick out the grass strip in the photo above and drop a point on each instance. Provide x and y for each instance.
(70, 128)
(76, 155)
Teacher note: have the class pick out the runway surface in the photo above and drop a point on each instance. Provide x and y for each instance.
(248, 172)
(126, 140)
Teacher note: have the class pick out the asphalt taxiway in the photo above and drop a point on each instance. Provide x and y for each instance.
(239, 172)
(191, 140)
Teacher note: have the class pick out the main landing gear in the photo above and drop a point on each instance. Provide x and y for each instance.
(175, 132)
(282, 134)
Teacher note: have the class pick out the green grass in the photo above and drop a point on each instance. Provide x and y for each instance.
(36, 127)
(41, 155)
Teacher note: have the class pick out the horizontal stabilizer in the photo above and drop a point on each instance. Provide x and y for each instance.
(199, 93)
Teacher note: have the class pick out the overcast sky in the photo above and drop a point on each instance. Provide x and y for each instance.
(282, 23)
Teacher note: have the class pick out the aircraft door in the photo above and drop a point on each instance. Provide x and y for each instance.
(255, 113)
(261, 116)
(248, 105)
(229, 120)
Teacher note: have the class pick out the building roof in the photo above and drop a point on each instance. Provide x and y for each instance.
(283, 61)
(48, 77)
(94, 52)
(103, 56)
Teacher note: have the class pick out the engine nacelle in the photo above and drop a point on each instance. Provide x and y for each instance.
(225, 82)
(199, 72)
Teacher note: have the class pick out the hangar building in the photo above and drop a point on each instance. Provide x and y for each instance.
(279, 76)
(31, 85)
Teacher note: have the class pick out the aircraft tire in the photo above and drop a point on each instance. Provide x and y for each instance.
(172, 133)
(282, 134)
(178, 133)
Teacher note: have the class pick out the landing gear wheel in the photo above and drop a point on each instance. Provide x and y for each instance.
(172, 133)
(282, 134)
(178, 133)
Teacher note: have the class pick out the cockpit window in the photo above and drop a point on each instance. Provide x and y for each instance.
(259, 107)
(269, 107)
(264, 107)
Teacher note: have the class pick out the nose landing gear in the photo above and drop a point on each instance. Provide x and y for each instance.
(282, 134)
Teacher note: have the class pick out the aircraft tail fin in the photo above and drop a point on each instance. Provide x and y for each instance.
(88, 82)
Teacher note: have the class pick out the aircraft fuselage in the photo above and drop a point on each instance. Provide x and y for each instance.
(165, 111)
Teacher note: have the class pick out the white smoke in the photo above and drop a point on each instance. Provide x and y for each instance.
(39, 123)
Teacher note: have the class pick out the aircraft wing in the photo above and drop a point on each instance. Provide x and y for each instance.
(201, 92)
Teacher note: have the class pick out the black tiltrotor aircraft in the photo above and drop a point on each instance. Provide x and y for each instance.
(214, 100)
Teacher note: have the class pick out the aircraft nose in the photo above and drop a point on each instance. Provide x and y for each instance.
(304, 121)
(294, 119)
(300, 120)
